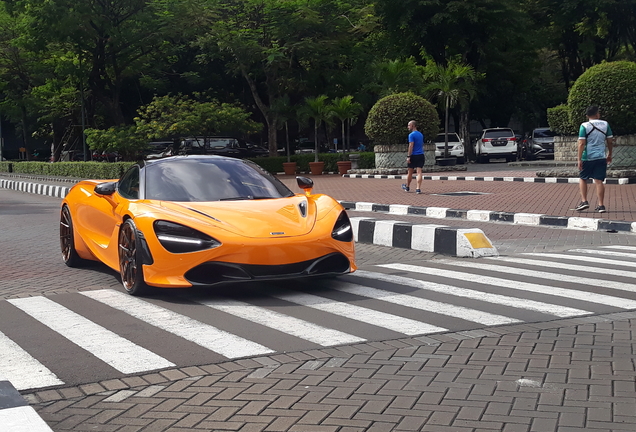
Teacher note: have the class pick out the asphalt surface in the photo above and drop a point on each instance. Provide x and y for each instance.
(542, 373)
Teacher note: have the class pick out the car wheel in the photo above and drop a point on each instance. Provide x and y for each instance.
(130, 264)
(461, 160)
(67, 240)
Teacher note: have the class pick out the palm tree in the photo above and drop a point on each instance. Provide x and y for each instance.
(345, 110)
(285, 112)
(319, 111)
(396, 76)
(450, 84)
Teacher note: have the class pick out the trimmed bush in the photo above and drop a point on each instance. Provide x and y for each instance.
(82, 170)
(275, 164)
(611, 86)
(388, 118)
(559, 120)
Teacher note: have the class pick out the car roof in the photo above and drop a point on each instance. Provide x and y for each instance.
(190, 158)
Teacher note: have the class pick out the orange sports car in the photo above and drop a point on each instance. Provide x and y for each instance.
(202, 220)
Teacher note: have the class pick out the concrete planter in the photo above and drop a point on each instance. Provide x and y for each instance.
(394, 155)
(316, 168)
(289, 168)
(623, 155)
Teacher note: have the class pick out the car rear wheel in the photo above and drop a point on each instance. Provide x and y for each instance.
(461, 160)
(130, 263)
(67, 239)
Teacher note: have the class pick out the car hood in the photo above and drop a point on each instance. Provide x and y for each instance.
(265, 218)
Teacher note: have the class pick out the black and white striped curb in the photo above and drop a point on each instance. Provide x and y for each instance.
(15, 413)
(35, 188)
(620, 181)
(579, 223)
(442, 239)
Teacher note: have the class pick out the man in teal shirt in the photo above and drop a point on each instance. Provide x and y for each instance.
(594, 156)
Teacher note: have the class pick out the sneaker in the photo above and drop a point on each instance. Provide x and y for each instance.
(600, 209)
(405, 187)
(582, 206)
(417, 191)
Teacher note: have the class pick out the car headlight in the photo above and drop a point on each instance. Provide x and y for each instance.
(177, 238)
(458, 147)
(342, 230)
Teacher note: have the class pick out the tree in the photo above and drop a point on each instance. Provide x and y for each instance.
(318, 110)
(345, 110)
(286, 111)
(450, 85)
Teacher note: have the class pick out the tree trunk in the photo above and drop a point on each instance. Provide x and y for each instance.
(270, 117)
(464, 132)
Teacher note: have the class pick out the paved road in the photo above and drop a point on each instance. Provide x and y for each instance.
(85, 329)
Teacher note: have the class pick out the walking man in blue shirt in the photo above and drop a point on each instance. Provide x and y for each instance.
(594, 156)
(414, 157)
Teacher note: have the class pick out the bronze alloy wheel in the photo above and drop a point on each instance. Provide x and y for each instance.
(67, 240)
(129, 262)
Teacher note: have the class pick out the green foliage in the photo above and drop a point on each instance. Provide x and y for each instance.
(560, 121)
(275, 164)
(81, 170)
(388, 118)
(611, 86)
(126, 140)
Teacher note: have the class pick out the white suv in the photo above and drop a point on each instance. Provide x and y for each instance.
(496, 143)
(455, 147)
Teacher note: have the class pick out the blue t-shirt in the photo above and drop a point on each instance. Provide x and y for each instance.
(417, 139)
(595, 132)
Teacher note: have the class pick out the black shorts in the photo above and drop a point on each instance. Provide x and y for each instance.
(416, 161)
(594, 169)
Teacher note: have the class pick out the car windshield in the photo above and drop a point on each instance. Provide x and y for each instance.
(451, 138)
(211, 179)
(544, 133)
(502, 133)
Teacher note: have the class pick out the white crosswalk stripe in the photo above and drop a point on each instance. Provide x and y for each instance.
(564, 266)
(285, 323)
(620, 247)
(584, 258)
(114, 350)
(392, 322)
(543, 275)
(603, 253)
(519, 303)
(467, 314)
(522, 286)
(222, 342)
(19, 367)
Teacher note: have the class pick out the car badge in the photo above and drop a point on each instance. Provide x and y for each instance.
(303, 208)
(277, 233)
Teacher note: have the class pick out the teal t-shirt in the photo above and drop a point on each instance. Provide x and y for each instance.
(594, 132)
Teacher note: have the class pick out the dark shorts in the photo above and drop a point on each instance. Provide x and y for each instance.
(417, 161)
(594, 169)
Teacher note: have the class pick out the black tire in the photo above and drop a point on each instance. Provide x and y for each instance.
(67, 240)
(130, 262)
(461, 160)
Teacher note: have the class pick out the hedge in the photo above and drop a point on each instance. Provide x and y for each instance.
(612, 87)
(560, 121)
(85, 170)
(275, 164)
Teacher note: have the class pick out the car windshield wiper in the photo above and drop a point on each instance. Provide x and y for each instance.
(249, 197)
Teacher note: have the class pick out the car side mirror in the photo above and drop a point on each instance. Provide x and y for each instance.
(306, 184)
(107, 188)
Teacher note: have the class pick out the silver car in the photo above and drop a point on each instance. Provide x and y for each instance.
(455, 147)
(540, 144)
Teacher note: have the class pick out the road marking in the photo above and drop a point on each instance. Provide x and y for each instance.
(621, 286)
(583, 258)
(296, 327)
(358, 313)
(603, 252)
(24, 371)
(428, 305)
(22, 419)
(563, 266)
(619, 247)
(617, 302)
(107, 346)
(205, 335)
(519, 303)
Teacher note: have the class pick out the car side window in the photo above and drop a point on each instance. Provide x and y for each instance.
(129, 184)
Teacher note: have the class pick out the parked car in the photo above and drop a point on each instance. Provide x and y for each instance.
(157, 150)
(540, 144)
(496, 143)
(455, 147)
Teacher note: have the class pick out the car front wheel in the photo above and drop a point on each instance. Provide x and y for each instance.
(130, 263)
(67, 239)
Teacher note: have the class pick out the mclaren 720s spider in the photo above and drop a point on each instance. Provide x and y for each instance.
(203, 220)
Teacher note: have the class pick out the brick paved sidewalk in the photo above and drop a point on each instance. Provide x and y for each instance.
(561, 376)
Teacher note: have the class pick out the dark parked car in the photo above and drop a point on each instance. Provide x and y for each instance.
(540, 144)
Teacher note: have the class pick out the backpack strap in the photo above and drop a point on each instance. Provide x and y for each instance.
(592, 130)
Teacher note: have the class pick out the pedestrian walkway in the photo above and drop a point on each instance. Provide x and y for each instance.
(117, 334)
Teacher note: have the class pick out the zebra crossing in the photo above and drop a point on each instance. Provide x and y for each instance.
(107, 334)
